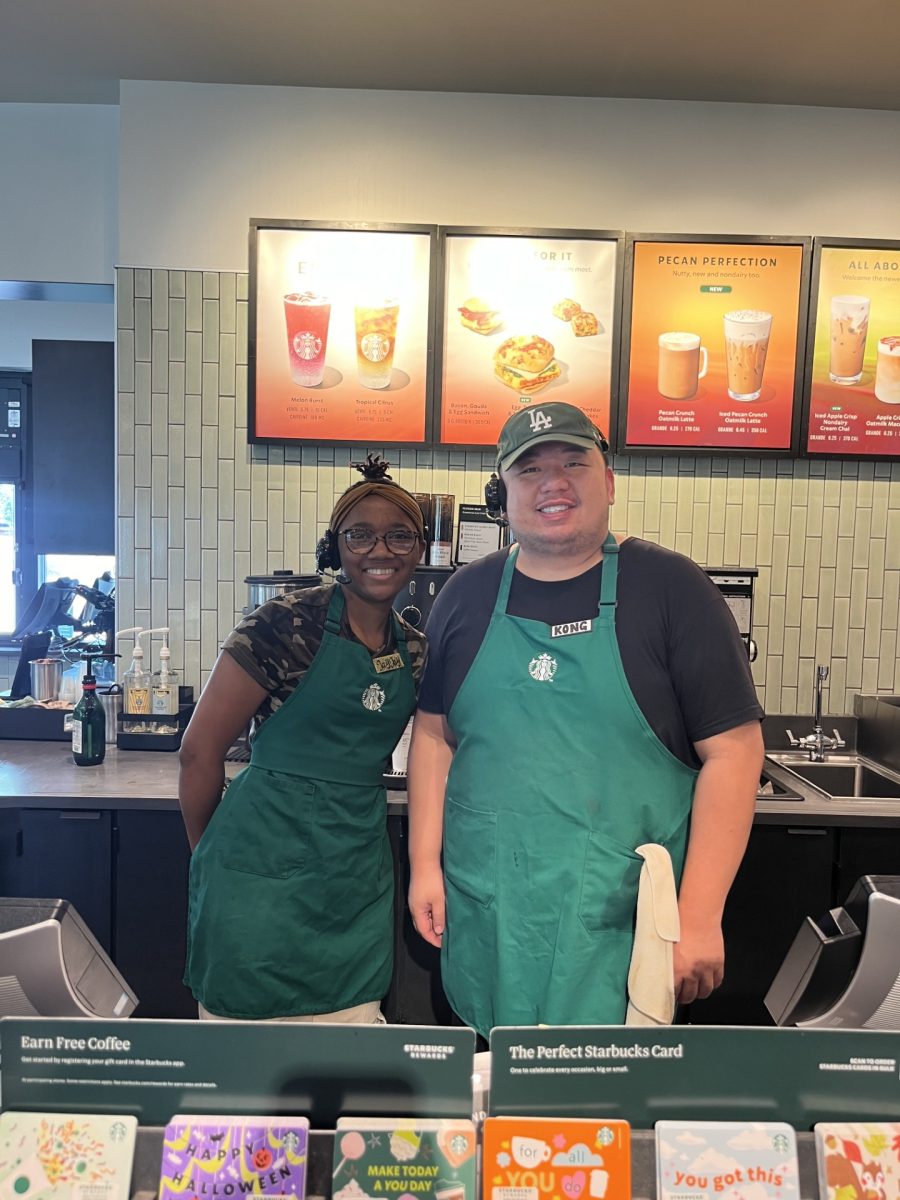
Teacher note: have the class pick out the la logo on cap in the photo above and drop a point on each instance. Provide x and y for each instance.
(539, 421)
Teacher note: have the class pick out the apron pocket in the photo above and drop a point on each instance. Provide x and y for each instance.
(470, 851)
(609, 885)
(268, 828)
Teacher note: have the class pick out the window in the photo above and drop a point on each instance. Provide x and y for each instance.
(84, 568)
(44, 535)
(7, 558)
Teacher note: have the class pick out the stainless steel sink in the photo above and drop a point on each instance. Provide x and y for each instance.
(840, 775)
(771, 788)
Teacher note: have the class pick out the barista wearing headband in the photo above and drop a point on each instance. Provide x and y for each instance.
(291, 881)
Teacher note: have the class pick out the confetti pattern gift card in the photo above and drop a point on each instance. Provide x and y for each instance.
(213, 1158)
(65, 1156)
(858, 1161)
(530, 1158)
(726, 1160)
(377, 1158)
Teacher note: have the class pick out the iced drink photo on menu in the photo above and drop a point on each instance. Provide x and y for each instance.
(376, 334)
(746, 344)
(306, 316)
(682, 364)
(849, 326)
(887, 370)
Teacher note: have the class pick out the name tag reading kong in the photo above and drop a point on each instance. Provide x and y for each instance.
(568, 628)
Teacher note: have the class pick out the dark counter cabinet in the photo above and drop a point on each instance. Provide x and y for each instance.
(865, 852)
(416, 996)
(125, 869)
(786, 875)
(151, 863)
(65, 853)
(125, 872)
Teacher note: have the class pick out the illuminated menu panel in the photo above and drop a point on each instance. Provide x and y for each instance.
(525, 319)
(339, 333)
(852, 393)
(713, 348)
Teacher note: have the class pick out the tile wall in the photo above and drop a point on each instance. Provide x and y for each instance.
(199, 509)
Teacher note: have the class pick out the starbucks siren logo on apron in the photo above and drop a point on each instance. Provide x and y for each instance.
(542, 668)
(373, 697)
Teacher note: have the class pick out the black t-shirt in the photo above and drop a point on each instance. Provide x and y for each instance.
(681, 651)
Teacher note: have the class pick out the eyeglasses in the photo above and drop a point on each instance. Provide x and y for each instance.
(398, 541)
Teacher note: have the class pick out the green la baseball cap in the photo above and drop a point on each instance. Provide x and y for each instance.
(553, 422)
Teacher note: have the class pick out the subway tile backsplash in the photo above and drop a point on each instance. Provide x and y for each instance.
(199, 509)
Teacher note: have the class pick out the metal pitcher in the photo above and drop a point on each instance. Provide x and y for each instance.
(46, 676)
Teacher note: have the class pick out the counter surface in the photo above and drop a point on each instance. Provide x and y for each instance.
(42, 775)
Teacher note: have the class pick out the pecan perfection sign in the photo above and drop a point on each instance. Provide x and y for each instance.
(713, 355)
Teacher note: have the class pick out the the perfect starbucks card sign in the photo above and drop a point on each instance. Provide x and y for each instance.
(695, 1073)
(155, 1068)
(713, 343)
(853, 361)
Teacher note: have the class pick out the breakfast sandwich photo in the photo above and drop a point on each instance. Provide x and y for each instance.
(526, 363)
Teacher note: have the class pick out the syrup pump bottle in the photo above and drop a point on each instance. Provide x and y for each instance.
(89, 721)
(136, 684)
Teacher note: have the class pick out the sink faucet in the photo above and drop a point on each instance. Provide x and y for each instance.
(818, 742)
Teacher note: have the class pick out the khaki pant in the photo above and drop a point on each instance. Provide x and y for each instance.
(360, 1014)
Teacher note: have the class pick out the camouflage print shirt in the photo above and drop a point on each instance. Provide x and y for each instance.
(277, 642)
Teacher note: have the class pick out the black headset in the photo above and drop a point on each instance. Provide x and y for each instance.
(495, 497)
(495, 489)
(328, 556)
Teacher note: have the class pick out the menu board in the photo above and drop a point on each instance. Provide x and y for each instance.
(339, 333)
(525, 318)
(853, 368)
(714, 347)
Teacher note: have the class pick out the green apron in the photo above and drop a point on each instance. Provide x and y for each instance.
(556, 779)
(291, 885)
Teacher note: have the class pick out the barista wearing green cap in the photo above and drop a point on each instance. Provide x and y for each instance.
(291, 881)
(587, 695)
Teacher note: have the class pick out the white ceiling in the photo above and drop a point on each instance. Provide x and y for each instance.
(811, 52)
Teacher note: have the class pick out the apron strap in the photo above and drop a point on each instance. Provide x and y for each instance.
(608, 572)
(506, 579)
(335, 609)
(399, 632)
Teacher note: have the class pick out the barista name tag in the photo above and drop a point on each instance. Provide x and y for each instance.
(569, 628)
(387, 662)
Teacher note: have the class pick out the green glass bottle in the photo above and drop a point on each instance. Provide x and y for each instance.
(88, 725)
